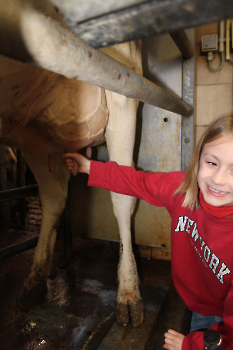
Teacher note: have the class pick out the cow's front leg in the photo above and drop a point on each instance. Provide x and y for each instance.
(128, 304)
(120, 135)
(53, 193)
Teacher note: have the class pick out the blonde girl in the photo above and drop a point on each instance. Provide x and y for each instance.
(200, 203)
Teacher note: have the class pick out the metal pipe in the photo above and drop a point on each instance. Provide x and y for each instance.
(141, 20)
(182, 41)
(221, 36)
(228, 21)
(48, 45)
(18, 248)
(79, 11)
(17, 193)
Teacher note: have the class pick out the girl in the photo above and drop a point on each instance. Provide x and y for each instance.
(200, 203)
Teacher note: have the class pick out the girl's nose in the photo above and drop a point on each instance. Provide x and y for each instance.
(219, 177)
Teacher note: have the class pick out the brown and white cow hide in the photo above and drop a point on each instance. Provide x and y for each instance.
(43, 114)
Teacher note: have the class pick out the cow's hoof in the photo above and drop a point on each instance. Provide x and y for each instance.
(30, 298)
(136, 313)
(133, 311)
(121, 314)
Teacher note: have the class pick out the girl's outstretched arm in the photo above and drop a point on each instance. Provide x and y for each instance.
(77, 163)
(173, 340)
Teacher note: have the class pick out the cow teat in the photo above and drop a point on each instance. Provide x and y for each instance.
(52, 159)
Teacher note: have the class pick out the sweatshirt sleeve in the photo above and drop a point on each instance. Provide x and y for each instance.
(195, 340)
(152, 187)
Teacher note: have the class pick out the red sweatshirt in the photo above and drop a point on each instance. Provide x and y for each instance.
(201, 245)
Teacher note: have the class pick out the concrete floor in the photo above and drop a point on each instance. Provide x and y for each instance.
(78, 310)
(80, 299)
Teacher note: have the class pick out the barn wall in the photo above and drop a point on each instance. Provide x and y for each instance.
(158, 148)
(214, 89)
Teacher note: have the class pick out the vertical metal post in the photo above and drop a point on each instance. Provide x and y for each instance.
(188, 97)
(182, 41)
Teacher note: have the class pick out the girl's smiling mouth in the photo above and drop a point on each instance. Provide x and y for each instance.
(215, 192)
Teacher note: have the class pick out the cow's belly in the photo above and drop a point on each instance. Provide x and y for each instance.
(41, 111)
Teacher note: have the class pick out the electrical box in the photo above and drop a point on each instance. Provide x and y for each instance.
(209, 43)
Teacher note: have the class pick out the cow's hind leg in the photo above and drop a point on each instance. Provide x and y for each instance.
(53, 193)
(120, 135)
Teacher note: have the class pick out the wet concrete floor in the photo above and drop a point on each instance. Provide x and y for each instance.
(80, 301)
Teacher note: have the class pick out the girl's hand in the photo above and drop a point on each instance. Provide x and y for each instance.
(70, 163)
(173, 340)
(76, 163)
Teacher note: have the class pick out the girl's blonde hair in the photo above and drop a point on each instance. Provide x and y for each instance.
(189, 186)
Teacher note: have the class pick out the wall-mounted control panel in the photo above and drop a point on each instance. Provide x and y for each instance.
(209, 43)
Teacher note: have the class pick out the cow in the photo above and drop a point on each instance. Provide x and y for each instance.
(45, 114)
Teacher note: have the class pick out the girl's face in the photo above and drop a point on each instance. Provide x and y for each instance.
(215, 176)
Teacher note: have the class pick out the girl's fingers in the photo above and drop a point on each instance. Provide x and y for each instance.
(73, 168)
(173, 340)
(74, 172)
(69, 161)
(74, 162)
(172, 331)
(69, 155)
(71, 165)
(169, 335)
(169, 346)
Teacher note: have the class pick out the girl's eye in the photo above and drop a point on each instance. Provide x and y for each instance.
(212, 163)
